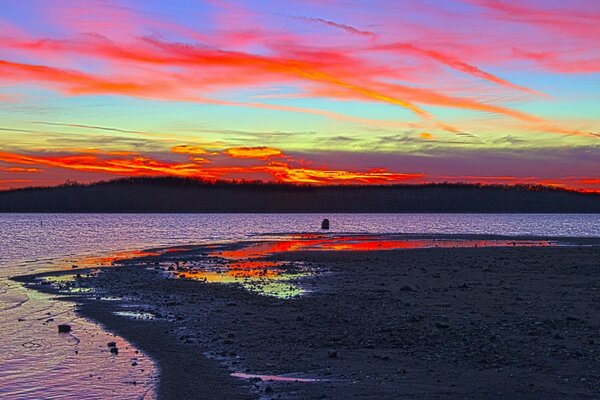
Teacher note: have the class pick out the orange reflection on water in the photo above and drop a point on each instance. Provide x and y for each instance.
(262, 249)
(230, 275)
(363, 243)
(114, 258)
(264, 277)
(247, 266)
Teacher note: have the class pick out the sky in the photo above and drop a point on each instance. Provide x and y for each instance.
(322, 91)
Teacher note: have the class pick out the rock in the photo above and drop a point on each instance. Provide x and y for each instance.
(325, 224)
(114, 350)
(64, 328)
(111, 344)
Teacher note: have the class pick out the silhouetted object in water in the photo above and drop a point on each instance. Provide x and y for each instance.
(64, 328)
(325, 224)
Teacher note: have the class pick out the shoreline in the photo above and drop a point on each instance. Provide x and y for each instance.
(428, 323)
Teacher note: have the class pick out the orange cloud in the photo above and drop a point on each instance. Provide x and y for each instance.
(283, 173)
(200, 160)
(133, 165)
(187, 149)
(20, 170)
(260, 152)
(591, 181)
(137, 165)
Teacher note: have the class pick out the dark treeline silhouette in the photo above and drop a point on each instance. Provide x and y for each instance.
(169, 194)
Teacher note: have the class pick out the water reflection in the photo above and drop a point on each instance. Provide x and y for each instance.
(270, 278)
(246, 263)
(275, 378)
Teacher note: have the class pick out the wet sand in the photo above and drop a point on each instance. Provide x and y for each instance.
(431, 323)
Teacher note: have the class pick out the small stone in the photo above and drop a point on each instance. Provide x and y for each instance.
(114, 350)
(64, 328)
(111, 344)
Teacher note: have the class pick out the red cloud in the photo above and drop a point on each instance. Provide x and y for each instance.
(137, 165)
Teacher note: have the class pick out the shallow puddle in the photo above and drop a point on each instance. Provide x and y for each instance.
(269, 278)
(276, 378)
(246, 265)
(366, 243)
(135, 314)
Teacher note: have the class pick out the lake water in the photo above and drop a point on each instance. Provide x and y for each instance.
(37, 362)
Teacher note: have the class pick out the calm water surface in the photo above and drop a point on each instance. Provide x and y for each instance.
(37, 362)
(34, 236)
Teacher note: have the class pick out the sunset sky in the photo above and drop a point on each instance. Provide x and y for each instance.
(323, 91)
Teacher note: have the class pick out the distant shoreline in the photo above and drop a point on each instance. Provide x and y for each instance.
(178, 195)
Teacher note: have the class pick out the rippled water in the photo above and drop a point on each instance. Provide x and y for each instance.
(37, 362)
(34, 236)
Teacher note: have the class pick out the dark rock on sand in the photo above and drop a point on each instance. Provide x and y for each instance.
(64, 328)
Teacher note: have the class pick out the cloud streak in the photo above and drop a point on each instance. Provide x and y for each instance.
(337, 25)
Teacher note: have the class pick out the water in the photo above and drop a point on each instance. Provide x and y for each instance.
(37, 362)
(34, 236)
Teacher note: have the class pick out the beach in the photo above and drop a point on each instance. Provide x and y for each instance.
(465, 322)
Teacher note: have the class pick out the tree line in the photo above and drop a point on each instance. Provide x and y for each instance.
(172, 194)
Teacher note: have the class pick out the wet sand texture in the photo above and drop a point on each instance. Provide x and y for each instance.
(469, 323)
